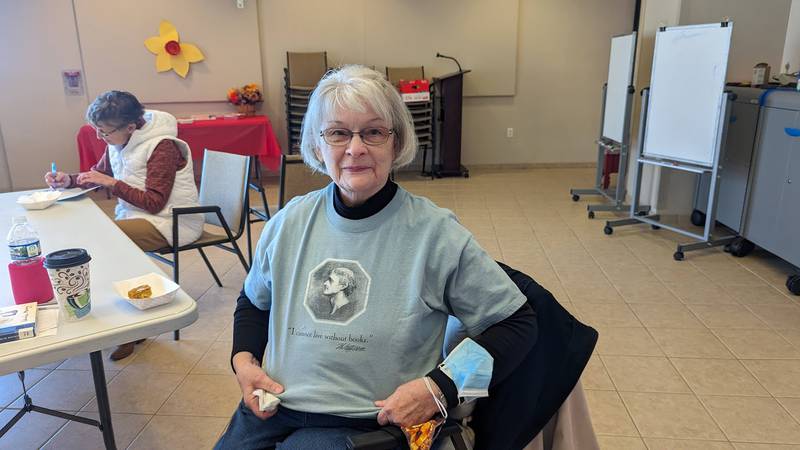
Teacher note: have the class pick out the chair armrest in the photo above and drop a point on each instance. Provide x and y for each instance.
(387, 438)
(195, 210)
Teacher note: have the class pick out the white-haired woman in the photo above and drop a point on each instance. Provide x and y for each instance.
(413, 266)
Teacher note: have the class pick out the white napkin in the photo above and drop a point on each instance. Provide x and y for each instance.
(266, 401)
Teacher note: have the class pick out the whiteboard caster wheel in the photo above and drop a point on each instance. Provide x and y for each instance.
(655, 227)
(793, 284)
(608, 230)
(698, 218)
(575, 197)
(591, 214)
(740, 247)
(678, 256)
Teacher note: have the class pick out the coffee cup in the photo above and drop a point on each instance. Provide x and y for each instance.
(69, 275)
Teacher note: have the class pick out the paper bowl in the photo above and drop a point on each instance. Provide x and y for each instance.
(38, 199)
(163, 288)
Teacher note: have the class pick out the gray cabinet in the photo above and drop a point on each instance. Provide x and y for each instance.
(772, 219)
(736, 160)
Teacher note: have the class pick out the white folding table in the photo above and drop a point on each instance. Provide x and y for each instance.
(112, 321)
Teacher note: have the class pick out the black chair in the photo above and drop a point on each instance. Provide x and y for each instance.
(549, 373)
(224, 202)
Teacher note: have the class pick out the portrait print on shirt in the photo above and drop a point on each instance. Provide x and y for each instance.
(337, 291)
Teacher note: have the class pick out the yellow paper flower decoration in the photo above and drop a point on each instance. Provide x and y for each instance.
(170, 52)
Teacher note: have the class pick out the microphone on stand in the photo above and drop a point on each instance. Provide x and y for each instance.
(439, 55)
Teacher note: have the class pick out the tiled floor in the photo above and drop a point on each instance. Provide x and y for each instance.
(699, 354)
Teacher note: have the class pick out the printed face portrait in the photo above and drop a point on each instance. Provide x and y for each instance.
(337, 291)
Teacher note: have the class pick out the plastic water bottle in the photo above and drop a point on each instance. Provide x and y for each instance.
(23, 241)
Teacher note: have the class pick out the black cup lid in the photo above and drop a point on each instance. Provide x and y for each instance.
(70, 257)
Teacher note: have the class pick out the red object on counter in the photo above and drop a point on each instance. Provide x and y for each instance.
(249, 136)
(412, 86)
(30, 282)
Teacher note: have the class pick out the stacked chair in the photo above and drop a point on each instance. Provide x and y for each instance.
(301, 75)
(422, 113)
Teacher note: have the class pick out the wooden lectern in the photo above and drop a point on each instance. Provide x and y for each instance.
(449, 93)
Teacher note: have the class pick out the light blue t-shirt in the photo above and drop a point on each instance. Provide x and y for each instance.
(359, 307)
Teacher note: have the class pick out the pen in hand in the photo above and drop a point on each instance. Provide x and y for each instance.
(53, 172)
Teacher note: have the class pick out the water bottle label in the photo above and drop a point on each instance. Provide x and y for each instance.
(25, 251)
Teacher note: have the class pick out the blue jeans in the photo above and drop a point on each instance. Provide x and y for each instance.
(291, 430)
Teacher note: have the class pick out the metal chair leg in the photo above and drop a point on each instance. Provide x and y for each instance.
(210, 268)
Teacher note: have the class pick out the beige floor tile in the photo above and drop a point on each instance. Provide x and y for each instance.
(679, 416)
(64, 390)
(216, 361)
(690, 343)
(666, 316)
(644, 374)
(593, 293)
(82, 362)
(77, 436)
(755, 344)
(793, 336)
(727, 316)
(609, 415)
(680, 444)
(627, 342)
(646, 292)
(620, 443)
(780, 377)
(753, 419)
(30, 432)
(11, 388)
(595, 376)
(204, 395)
(778, 316)
(701, 292)
(753, 446)
(170, 356)
(792, 405)
(139, 392)
(608, 315)
(679, 275)
(758, 295)
(195, 433)
(718, 377)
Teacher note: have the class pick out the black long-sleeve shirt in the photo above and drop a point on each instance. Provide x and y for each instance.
(508, 341)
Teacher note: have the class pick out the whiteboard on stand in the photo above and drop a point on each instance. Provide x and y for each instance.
(686, 93)
(620, 73)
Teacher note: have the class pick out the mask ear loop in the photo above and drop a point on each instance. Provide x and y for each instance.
(439, 405)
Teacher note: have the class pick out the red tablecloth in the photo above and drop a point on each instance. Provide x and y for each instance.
(251, 136)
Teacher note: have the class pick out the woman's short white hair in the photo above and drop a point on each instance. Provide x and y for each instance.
(353, 88)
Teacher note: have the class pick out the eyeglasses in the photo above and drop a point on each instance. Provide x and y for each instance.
(108, 133)
(369, 136)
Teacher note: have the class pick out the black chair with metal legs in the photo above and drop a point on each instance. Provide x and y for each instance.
(224, 202)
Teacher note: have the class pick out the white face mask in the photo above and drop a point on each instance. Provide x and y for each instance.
(470, 367)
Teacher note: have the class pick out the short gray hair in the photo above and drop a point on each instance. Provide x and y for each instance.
(354, 87)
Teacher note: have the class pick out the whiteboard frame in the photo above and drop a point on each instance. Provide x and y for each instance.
(655, 114)
(615, 120)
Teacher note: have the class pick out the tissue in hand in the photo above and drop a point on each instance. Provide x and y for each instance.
(266, 401)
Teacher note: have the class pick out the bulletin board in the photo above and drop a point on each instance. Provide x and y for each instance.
(112, 34)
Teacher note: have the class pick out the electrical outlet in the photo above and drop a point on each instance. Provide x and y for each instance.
(509, 132)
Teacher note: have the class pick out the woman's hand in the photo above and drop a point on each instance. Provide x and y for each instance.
(251, 376)
(410, 404)
(57, 181)
(95, 177)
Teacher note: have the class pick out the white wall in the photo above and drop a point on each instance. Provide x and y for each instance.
(5, 174)
(759, 30)
(38, 120)
(791, 48)
(563, 52)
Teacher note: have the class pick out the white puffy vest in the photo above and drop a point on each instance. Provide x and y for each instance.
(129, 164)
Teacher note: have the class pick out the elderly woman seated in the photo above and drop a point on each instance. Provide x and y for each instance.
(351, 288)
